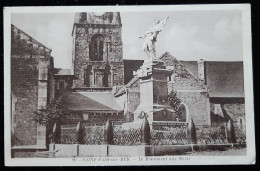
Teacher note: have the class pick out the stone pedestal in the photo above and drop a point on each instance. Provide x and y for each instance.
(153, 90)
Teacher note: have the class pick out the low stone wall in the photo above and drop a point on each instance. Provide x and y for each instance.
(26, 151)
(77, 150)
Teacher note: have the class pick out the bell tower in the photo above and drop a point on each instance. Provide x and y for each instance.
(97, 60)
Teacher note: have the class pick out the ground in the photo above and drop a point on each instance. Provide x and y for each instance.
(229, 152)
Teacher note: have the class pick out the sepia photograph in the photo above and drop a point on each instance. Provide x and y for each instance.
(128, 85)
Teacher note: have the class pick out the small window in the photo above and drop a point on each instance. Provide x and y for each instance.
(61, 85)
(85, 116)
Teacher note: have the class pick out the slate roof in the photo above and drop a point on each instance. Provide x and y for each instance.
(91, 101)
(122, 90)
(223, 78)
(192, 66)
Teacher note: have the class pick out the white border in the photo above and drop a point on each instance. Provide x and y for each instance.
(193, 160)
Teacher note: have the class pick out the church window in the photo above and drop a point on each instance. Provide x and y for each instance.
(96, 48)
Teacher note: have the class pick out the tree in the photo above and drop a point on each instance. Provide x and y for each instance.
(54, 112)
(174, 101)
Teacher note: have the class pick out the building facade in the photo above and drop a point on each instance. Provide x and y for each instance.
(210, 92)
(32, 87)
(97, 58)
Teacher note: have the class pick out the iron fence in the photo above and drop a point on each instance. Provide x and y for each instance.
(130, 136)
(161, 133)
(68, 135)
(93, 135)
(169, 133)
(211, 134)
(240, 135)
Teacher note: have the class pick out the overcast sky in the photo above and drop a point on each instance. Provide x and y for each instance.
(188, 35)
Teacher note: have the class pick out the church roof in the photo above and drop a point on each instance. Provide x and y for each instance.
(223, 78)
(192, 66)
(91, 101)
(122, 90)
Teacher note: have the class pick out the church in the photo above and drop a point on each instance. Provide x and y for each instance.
(102, 85)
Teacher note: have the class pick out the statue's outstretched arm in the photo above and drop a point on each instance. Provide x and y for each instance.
(145, 35)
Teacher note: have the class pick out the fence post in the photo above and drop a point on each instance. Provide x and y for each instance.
(108, 133)
(79, 133)
(192, 132)
(230, 132)
(145, 132)
(54, 134)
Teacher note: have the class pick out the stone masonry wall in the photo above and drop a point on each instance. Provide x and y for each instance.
(112, 52)
(24, 85)
(233, 111)
(133, 99)
(198, 106)
(190, 90)
(30, 63)
(197, 103)
(182, 79)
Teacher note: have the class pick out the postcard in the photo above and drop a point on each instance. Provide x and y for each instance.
(128, 85)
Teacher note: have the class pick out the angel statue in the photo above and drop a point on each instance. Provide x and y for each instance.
(151, 36)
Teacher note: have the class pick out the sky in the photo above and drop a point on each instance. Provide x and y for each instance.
(187, 35)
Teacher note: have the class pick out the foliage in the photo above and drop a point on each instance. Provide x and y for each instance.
(174, 101)
(54, 112)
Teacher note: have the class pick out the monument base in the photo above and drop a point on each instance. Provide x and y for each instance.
(153, 91)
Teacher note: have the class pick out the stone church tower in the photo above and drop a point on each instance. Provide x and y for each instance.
(97, 60)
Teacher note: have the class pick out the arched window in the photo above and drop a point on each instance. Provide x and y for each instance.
(96, 48)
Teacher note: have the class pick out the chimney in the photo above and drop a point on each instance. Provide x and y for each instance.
(201, 70)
